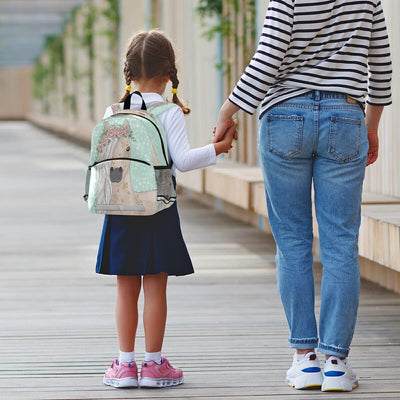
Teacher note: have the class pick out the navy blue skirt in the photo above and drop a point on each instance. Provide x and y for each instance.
(142, 245)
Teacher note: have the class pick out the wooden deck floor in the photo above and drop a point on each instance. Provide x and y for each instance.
(225, 328)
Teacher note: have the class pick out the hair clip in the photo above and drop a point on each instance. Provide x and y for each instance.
(174, 91)
(128, 88)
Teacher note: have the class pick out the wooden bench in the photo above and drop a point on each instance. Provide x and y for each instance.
(233, 183)
(379, 243)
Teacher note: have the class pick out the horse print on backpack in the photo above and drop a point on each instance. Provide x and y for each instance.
(113, 185)
(129, 173)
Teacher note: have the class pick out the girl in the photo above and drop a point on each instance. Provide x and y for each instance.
(136, 248)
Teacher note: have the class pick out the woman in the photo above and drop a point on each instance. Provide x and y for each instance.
(316, 65)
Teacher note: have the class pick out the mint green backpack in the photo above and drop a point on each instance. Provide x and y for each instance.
(129, 171)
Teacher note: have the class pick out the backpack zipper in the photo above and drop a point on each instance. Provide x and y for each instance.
(119, 158)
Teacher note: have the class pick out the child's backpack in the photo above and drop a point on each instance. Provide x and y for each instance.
(129, 172)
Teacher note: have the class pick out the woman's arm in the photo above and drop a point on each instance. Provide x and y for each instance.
(183, 156)
(263, 69)
(379, 62)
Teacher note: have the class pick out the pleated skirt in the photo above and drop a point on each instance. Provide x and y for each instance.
(142, 245)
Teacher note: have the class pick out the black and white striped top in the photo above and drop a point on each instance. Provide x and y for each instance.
(330, 45)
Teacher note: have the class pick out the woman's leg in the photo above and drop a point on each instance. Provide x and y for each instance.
(126, 311)
(338, 178)
(286, 153)
(155, 310)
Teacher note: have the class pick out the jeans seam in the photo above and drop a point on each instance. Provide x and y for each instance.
(316, 127)
(341, 350)
(322, 107)
(303, 340)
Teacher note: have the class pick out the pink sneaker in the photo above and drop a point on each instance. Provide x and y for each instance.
(121, 375)
(160, 375)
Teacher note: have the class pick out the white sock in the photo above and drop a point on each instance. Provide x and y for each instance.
(156, 357)
(126, 356)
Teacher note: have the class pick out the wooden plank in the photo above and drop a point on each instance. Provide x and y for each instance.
(226, 326)
(375, 198)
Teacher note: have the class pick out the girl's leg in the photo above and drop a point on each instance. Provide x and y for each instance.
(155, 310)
(124, 373)
(126, 310)
(156, 370)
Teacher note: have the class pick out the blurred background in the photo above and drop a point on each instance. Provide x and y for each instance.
(61, 66)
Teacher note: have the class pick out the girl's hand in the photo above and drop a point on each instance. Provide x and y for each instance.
(225, 144)
(373, 149)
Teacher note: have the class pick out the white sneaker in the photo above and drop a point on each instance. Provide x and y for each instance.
(306, 373)
(338, 376)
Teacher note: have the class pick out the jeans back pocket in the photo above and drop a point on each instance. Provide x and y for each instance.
(344, 139)
(285, 135)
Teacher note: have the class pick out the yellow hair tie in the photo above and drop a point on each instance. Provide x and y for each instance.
(174, 91)
(128, 88)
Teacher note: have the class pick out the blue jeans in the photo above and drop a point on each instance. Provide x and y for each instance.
(318, 138)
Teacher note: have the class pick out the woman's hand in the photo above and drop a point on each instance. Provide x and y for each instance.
(373, 149)
(225, 144)
(225, 121)
(372, 118)
(221, 128)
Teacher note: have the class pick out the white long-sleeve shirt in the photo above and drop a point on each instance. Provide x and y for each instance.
(329, 45)
(184, 158)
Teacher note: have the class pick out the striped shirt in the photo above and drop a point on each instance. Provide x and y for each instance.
(330, 45)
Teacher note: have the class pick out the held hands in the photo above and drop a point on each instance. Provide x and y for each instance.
(226, 123)
(221, 128)
(228, 132)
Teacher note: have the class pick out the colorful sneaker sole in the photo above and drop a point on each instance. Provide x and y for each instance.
(337, 384)
(306, 381)
(160, 382)
(121, 383)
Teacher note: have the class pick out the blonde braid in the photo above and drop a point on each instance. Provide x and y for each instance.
(128, 81)
(173, 76)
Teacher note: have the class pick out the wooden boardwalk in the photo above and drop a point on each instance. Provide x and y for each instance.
(225, 328)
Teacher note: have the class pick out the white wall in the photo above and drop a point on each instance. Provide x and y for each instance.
(384, 176)
(199, 79)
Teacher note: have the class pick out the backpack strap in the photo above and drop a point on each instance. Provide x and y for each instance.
(127, 102)
(87, 184)
(157, 109)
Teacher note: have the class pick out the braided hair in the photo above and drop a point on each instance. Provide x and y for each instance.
(150, 54)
